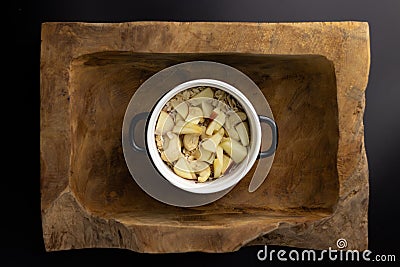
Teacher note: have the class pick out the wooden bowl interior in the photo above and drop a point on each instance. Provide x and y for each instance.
(303, 181)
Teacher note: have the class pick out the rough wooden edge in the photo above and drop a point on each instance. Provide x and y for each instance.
(74, 39)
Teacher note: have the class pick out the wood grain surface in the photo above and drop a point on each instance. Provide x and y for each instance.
(313, 75)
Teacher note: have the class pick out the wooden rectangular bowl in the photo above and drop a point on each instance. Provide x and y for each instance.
(313, 75)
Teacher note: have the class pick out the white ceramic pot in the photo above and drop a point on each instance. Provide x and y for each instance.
(227, 180)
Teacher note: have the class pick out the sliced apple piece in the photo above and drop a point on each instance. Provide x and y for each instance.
(197, 166)
(203, 134)
(235, 150)
(178, 124)
(182, 169)
(218, 119)
(228, 123)
(204, 175)
(246, 126)
(243, 134)
(181, 107)
(190, 128)
(217, 168)
(190, 141)
(211, 143)
(220, 154)
(182, 127)
(225, 139)
(210, 160)
(214, 113)
(204, 155)
(211, 127)
(208, 92)
(232, 132)
(173, 151)
(198, 101)
(165, 123)
(227, 162)
(221, 105)
(234, 119)
(241, 115)
(195, 115)
(170, 135)
(207, 108)
(178, 117)
(221, 116)
(165, 141)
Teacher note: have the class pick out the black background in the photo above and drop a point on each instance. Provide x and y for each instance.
(23, 243)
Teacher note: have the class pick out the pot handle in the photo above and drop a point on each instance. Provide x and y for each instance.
(274, 129)
(132, 126)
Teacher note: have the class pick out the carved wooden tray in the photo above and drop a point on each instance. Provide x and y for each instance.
(314, 76)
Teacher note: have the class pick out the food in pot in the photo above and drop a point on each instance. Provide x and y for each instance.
(202, 133)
